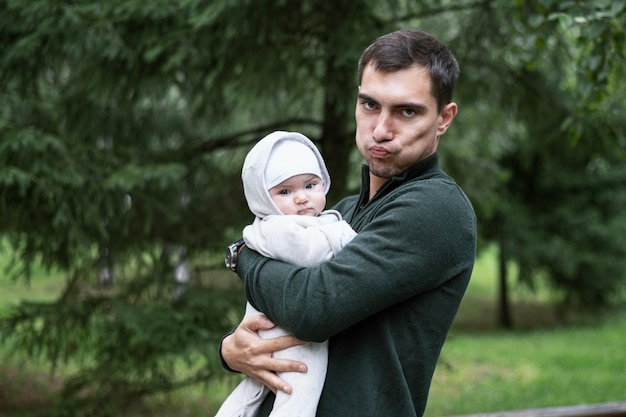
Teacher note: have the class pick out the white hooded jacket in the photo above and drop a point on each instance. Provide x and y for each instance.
(301, 240)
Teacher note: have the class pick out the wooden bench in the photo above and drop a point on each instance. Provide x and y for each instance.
(611, 409)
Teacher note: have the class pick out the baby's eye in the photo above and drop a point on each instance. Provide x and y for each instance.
(311, 185)
(283, 192)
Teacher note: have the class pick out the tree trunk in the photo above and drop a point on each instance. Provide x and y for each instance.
(504, 313)
(337, 139)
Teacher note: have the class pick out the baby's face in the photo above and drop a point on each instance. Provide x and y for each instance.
(301, 194)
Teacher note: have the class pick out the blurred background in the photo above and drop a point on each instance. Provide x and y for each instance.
(123, 128)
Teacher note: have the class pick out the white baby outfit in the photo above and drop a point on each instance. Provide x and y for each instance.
(301, 240)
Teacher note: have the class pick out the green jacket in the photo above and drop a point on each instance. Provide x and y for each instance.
(386, 301)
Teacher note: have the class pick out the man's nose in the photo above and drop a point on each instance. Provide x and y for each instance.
(384, 127)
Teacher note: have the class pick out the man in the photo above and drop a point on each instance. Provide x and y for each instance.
(387, 300)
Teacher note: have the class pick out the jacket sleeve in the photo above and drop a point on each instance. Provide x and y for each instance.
(413, 244)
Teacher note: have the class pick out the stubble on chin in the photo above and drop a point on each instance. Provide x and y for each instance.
(381, 169)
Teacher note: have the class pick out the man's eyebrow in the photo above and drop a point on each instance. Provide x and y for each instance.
(367, 98)
(418, 107)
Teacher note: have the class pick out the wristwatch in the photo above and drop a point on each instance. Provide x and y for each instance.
(232, 251)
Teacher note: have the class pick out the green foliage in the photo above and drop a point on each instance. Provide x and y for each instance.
(114, 119)
(94, 119)
(546, 146)
(130, 342)
(124, 125)
(598, 29)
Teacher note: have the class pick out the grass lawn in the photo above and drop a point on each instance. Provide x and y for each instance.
(497, 371)
(544, 363)
(541, 364)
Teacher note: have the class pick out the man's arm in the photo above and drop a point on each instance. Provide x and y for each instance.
(244, 351)
(414, 244)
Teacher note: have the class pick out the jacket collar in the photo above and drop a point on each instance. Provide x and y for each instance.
(420, 169)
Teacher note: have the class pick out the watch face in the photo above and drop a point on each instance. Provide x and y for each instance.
(231, 254)
(229, 257)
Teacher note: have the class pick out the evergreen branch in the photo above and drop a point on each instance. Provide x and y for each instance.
(442, 9)
(248, 136)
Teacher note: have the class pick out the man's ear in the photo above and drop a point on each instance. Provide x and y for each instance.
(446, 117)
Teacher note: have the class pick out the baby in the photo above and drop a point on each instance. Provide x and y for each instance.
(285, 183)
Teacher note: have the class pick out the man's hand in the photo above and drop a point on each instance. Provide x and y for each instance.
(246, 352)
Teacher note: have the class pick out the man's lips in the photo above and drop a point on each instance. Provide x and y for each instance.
(379, 152)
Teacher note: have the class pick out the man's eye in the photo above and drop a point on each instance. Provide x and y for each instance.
(408, 112)
(368, 105)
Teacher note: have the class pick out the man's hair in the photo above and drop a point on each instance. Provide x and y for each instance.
(405, 48)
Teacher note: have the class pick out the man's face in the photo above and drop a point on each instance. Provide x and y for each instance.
(397, 120)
